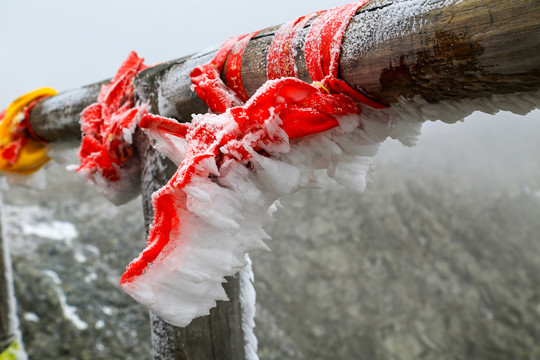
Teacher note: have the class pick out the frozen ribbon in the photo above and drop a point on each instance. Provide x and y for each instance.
(233, 76)
(323, 47)
(22, 151)
(232, 166)
(282, 50)
(106, 151)
(207, 83)
(211, 211)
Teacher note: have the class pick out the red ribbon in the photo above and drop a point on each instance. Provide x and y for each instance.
(207, 81)
(281, 54)
(322, 50)
(103, 149)
(27, 120)
(233, 72)
(283, 109)
(323, 42)
(302, 109)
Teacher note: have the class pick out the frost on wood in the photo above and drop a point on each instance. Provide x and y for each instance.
(452, 111)
(399, 17)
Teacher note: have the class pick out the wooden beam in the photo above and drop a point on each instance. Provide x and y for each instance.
(436, 49)
(469, 49)
(57, 118)
(217, 336)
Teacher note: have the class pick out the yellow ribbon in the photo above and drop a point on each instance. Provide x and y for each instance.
(33, 154)
(13, 352)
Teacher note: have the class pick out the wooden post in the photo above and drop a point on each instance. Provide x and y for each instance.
(218, 336)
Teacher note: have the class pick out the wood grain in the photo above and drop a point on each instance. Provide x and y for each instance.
(57, 118)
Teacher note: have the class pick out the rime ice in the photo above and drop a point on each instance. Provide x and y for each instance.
(212, 212)
(107, 126)
(235, 165)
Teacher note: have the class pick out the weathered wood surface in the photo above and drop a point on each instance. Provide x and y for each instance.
(439, 50)
(218, 336)
(472, 49)
(57, 118)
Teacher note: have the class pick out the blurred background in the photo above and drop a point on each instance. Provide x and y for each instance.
(438, 259)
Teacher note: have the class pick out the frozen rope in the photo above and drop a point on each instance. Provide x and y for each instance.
(21, 150)
(106, 151)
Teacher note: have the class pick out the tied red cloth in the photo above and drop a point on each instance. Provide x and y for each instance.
(206, 79)
(282, 110)
(322, 51)
(108, 125)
